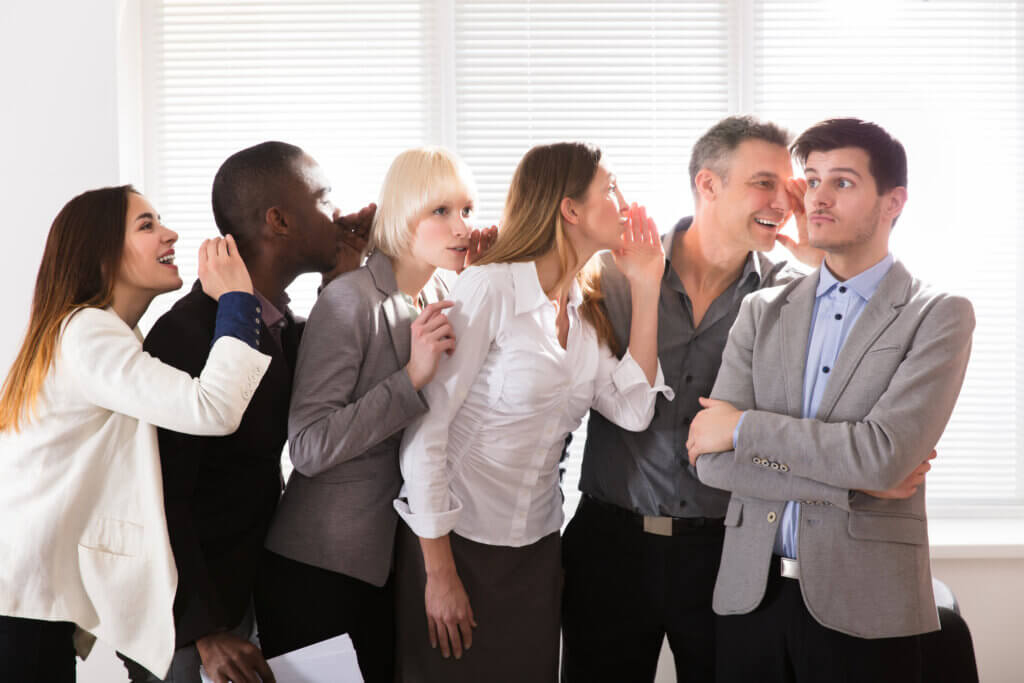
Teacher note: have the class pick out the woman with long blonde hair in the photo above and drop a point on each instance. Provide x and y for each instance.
(481, 496)
(85, 548)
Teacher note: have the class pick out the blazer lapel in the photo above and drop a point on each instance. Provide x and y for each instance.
(878, 314)
(396, 311)
(796, 327)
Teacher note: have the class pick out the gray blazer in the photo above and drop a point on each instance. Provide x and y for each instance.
(864, 561)
(350, 401)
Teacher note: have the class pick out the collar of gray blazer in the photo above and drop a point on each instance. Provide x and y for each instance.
(397, 313)
(795, 316)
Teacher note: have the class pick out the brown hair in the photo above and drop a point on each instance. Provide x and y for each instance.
(80, 264)
(532, 223)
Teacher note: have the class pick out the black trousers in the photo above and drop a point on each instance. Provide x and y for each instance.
(626, 590)
(36, 651)
(298, 604)
(780, 642)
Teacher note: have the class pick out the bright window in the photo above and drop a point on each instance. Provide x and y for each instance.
(354, 83)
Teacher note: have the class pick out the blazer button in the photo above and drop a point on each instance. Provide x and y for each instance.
(775, 465)
(784, 468)
(756, 460)
(771, 517)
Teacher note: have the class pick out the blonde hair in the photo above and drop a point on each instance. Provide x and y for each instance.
(416, 179)
(532, 223)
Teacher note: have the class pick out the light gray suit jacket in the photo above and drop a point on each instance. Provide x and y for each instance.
(350, 402)
(864, 561)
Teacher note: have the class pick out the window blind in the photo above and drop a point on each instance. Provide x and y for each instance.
(349, 82)
(356, 82)
(642, 80)
(944, 77)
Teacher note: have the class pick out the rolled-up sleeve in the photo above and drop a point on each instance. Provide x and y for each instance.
(426, 502)
(622, 393)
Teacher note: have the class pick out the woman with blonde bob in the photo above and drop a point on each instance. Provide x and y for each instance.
(481, 494)
(372, 341)
(85, 548)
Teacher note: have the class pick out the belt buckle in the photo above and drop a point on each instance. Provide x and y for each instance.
(789, 568)
(662, 526)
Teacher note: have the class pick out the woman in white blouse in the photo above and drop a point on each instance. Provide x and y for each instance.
(481, 489)
(84, 552)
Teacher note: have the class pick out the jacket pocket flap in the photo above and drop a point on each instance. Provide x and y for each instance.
(113, 536)
(892, 528)
(734, 515)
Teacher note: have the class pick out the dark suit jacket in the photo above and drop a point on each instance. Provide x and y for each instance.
(220, 493)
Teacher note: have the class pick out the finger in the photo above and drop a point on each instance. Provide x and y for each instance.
(236, 675)
(706, 402)
(785, 241)
(934, 454)
(436, 323)
(638, 226)
(655, 237)
(432, 633)
(455, 638)
(263, 669)
(439, 328)
(467, 633)
(229, 246)
(430, 310)
(443, 641)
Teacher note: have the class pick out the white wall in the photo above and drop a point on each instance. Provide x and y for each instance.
(59, 127)
(59, 123)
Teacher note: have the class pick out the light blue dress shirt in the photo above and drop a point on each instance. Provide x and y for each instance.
(837, 305)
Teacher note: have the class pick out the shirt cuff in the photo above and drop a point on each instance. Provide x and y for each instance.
(628, 376)
(736, 432)
(238, 316)
(429, 524)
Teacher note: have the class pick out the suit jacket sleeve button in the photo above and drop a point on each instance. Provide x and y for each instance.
(771, 517)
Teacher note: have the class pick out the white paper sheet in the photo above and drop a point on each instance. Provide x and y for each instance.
(329, 661)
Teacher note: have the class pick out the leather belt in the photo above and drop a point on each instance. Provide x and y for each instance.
(660, 526)
(789, 568)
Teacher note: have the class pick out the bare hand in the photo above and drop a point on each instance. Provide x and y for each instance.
(450, 621)
(432, 335)
(479, 242)
(712, 428)
(641, 256)
(221, 268)
(801, 247)
(907, 487)
(353, 236)
(228, 658)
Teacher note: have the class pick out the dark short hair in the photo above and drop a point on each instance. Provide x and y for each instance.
(887, 160)
(714, 148)
(248, 183)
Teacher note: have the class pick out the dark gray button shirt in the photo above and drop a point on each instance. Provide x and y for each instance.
(648, 471)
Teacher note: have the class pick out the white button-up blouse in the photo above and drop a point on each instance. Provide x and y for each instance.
(483, 462)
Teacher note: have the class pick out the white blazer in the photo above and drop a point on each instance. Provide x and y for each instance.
(85, 538)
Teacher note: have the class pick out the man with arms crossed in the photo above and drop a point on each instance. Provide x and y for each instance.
(833, 385)
(642, 551)
(221, 492)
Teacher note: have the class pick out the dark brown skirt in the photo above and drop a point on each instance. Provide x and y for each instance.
(515, 594)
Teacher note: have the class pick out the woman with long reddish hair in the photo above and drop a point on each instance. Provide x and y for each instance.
(85, 553)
